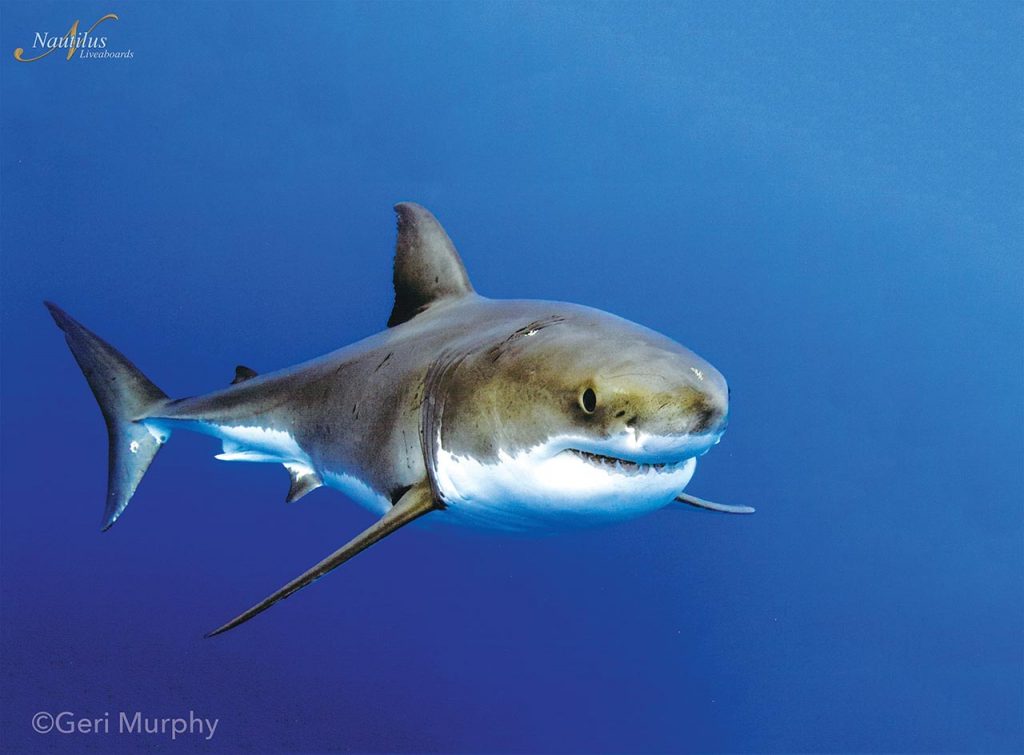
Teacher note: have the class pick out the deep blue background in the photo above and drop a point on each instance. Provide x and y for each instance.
(823, 200)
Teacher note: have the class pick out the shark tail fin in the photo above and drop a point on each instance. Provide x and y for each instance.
(125, 395)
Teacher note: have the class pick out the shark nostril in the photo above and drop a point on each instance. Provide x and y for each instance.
(707, 418)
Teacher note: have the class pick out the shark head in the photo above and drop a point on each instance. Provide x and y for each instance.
(571, 416)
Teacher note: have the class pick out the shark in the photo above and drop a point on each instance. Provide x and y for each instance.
(507, 414)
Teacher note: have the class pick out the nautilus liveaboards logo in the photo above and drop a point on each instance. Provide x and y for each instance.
(77, 42)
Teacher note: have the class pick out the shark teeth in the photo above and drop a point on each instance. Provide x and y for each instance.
(623, 466)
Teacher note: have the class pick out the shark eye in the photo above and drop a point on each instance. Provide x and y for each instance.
(588, 401)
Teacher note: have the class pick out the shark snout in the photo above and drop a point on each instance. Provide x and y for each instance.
(704, 398)
(686, 410)
(667, 410)
(666, 426)
(709, 414)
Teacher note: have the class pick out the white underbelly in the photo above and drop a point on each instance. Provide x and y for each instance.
(530, 491)
(358, 491)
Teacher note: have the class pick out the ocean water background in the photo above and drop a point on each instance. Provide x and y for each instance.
(824, 200)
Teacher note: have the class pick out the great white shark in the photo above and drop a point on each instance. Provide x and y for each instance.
(509, 414)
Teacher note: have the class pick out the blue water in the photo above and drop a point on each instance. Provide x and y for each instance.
(824, 200)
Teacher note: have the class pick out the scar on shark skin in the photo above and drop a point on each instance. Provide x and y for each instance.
(503, 414)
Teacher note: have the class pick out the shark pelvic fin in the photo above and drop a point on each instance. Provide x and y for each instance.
(304, 480)
(243, 373)
(427, 267)
(416, 502)
(700, 503)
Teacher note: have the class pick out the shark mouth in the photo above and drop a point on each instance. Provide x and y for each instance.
(624, 466)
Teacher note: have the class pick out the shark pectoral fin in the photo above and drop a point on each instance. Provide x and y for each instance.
(243, 373)
(416, 502)
(304, 480)
(692, 500)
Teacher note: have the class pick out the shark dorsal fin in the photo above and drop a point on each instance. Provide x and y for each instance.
(427, 267)
(243, 373)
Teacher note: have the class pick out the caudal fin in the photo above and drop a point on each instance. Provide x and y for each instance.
(124, 395)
